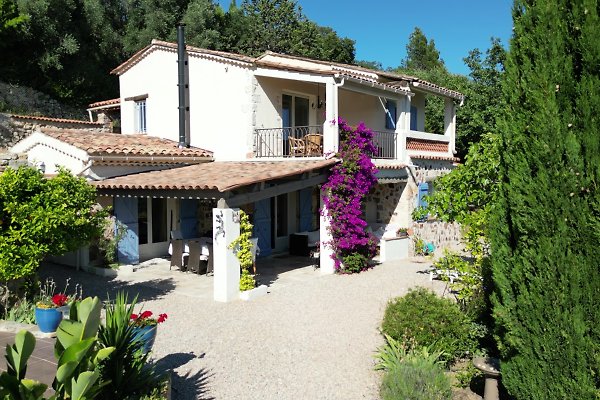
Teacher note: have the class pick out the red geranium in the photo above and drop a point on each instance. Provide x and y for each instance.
(144, 318)
(60, 299)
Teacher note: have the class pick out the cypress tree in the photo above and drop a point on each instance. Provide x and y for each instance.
(546, 227)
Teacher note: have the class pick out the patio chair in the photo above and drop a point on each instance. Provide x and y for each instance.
(176, 235)
(297, 147)
(209, 263)
(193, 259)
(314, 144)
(177, 255)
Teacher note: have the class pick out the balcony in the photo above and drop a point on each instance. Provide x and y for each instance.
(385, 143)
(298, 141)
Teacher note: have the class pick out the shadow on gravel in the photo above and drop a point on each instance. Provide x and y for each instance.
(104, 287)
(190, 386)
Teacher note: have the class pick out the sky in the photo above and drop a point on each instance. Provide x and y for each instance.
(380, 28)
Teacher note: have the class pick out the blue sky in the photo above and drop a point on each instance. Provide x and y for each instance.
(381, 28)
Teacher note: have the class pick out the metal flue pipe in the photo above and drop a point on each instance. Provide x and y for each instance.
(181, 64)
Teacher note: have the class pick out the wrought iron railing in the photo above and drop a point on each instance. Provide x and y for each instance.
(385, 143)
(297, 141)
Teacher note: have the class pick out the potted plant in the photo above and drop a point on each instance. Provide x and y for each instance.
(145, 326)
(402, 233)
(50, 307)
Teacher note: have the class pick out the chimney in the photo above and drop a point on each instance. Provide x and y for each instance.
(181, 65)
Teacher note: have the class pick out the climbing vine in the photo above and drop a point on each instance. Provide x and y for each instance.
(243, 251)
(345, 191)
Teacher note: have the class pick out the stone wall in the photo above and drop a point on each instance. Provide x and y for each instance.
(13, 128)
(444, 235)
(18, 99)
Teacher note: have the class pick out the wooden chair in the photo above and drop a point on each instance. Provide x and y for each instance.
(314, 144)
(177, 255)
(297, 147)
(193, 263)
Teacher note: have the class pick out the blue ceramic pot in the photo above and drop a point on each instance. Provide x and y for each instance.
(146, 334)
(48, 319)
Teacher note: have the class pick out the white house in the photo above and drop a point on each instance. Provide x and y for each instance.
(255, 133)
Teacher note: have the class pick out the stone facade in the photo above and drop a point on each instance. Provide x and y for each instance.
(390, 203)
(444, 235)
(430, 170)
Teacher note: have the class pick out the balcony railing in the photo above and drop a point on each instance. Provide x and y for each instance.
(385, 143)
(298, 141)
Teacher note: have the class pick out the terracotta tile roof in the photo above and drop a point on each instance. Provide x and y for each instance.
(159, 44)
(61, 120)
(440, 158)
(105, 103)
(218, 175)
(114, 144)
(398, 81)
(426, 145)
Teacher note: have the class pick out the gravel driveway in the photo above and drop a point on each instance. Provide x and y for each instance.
(308, 339)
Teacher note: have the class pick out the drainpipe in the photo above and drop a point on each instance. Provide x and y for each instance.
(181, 65)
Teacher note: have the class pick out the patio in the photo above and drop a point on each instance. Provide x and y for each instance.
(312, 334)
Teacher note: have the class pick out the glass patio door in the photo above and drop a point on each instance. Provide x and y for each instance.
(294, 114)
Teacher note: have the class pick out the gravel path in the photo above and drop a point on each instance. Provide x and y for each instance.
(310, 339)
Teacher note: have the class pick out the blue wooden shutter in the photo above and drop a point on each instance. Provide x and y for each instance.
(262, 226)
(390, 115)
(423, 191)
(413, 118)
(126, 212)
(188, 218)
(305, 206)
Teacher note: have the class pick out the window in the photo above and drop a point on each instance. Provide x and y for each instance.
(152, 220)
(390, 114)
(140, 116)
(413, 118)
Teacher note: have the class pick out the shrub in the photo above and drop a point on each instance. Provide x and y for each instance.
(421, 318)
(416, 378)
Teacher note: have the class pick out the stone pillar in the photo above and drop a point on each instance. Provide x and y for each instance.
(226, 228)
(450, 124)
(325, 261)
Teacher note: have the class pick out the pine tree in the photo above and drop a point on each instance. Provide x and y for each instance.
(546, 229)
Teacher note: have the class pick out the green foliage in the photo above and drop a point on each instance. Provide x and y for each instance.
(126, 370)
(246, 281)
(23, 311)
(414, 374)
(421, 54)
(390, 355)
(243, 251)
(77, 374)
(421, 318)
(546, 225)
(40, 216)
(112, 232)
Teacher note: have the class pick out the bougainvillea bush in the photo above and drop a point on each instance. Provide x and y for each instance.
(348, 184)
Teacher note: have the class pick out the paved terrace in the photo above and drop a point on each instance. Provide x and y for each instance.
(311, 337)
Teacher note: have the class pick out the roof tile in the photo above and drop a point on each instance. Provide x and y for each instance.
(218, 175)
(114, 144)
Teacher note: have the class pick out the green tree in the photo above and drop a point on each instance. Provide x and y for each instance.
(421, 53)
(203, 21)
(40, 216)
(546, 227)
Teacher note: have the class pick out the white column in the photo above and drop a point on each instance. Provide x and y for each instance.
(450, 123)
(330, 127)
(226, 228)
(325, 261)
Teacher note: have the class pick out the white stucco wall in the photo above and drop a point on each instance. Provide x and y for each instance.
(156, 76)
(220, 108)
(53, 158)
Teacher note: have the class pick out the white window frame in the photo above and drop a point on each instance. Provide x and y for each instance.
(140, 122)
